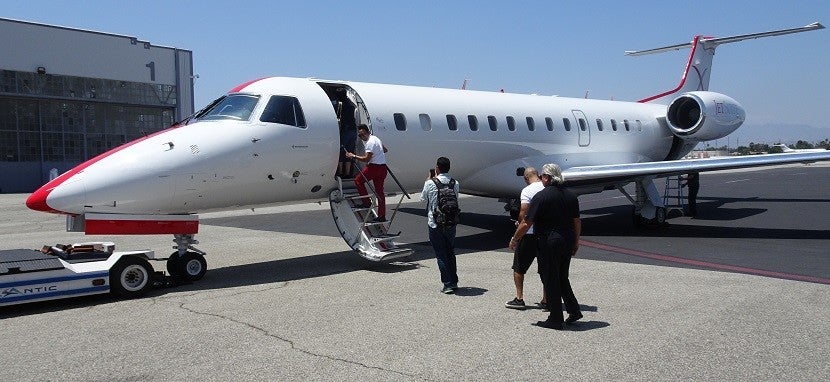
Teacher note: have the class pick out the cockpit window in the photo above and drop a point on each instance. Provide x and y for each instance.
(285, 110)
(233, 106)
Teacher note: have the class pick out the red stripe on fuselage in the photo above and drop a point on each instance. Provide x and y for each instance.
(241, 86)
(37, 200)
(682, 80)
(141, 227)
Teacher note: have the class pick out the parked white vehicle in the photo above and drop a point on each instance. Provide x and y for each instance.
(74, 270)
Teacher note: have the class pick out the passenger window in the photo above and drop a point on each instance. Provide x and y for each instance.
(400, 121)
(473, 121)
(494, 125)
(567, 123)
(599, 124)
(625, 123)
(549, 122)
(452, 123)
(426, 123)
(639, 125)
(614, 124)
(284, 110)
(583, 124)
(511, 123)
(531, 125)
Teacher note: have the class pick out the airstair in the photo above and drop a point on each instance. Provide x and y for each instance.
(674, 198)
(372, 240)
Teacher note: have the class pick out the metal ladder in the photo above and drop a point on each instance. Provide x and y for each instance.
(674, 198)
(369, 239)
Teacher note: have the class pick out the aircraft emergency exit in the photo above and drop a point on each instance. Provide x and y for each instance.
(276, 140)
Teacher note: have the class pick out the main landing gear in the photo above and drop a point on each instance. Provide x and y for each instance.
(188, 263)
(649, 210)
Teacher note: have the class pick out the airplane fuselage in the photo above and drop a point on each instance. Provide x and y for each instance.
(225, 163)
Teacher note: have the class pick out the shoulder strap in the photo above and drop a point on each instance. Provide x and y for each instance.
(437, 182)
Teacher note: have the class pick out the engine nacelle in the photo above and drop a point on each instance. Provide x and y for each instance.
(704, 116)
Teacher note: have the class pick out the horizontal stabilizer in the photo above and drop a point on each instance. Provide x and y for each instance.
(711, 42)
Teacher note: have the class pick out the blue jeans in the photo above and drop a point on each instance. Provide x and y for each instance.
(442, 239)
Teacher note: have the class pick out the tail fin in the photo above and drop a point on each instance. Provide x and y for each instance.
(700, 59)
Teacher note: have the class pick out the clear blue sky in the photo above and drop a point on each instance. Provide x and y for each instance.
(544, 47)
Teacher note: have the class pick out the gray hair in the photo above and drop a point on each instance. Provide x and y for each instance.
(553, 170)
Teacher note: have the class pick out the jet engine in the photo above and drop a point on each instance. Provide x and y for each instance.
(704, 116)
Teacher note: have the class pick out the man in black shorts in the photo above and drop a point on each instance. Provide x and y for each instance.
(554, 214)
(526, 248)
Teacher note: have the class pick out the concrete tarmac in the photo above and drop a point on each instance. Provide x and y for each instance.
(284, 298)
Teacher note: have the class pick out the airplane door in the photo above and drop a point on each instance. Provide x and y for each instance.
(582, 128)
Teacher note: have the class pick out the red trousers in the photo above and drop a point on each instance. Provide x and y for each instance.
(377, 174)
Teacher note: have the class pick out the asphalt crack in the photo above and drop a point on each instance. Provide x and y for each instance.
(294, 345)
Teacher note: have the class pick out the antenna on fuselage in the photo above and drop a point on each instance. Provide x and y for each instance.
(464, 84)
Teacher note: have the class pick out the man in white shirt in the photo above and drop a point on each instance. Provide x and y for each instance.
(375, 170)
(526, 250)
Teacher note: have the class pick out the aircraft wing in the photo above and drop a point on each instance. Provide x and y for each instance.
(585, 175)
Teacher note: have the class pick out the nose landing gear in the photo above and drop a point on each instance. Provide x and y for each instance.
(188, 263)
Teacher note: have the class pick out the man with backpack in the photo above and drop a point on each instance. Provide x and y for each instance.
(441, 194)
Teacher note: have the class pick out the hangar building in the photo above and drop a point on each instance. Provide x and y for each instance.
(67, 95)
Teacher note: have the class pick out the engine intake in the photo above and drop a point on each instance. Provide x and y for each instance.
(704, 116)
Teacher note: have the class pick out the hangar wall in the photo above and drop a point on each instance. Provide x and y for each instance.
(67, 95)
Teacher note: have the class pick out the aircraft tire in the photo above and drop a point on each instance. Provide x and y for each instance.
(131, 277)
(660, 217)
(173, 265)
(658, 220)
(190, 267)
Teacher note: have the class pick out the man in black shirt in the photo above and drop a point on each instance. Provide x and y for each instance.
(693, 182)
(554, 214)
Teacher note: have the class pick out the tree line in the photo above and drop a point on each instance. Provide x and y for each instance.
(755, 148)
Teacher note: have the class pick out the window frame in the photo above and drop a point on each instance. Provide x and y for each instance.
(400, 121)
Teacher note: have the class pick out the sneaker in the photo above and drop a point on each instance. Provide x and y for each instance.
(515, 304)
(543, 306)
(448, 290)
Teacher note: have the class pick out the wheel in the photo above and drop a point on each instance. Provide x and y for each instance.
(131, 277)
(660, 216)
(658, 220)
(190, 267)
(512, 207)
(637, 219)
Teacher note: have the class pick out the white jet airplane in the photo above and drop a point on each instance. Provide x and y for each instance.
(276, 140)
(787, 149)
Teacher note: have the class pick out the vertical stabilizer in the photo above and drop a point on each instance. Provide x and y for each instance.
(699, 66)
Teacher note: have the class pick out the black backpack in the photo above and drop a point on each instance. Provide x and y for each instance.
(446, 209)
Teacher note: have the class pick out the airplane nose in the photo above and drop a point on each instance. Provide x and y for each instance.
(37, 200)
(62, 195)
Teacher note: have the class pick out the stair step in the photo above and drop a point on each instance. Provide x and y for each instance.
(354, 196)
(396, 253)
(369, 239)
(382, 239)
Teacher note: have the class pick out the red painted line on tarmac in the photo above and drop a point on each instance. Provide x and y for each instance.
(705, 264)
